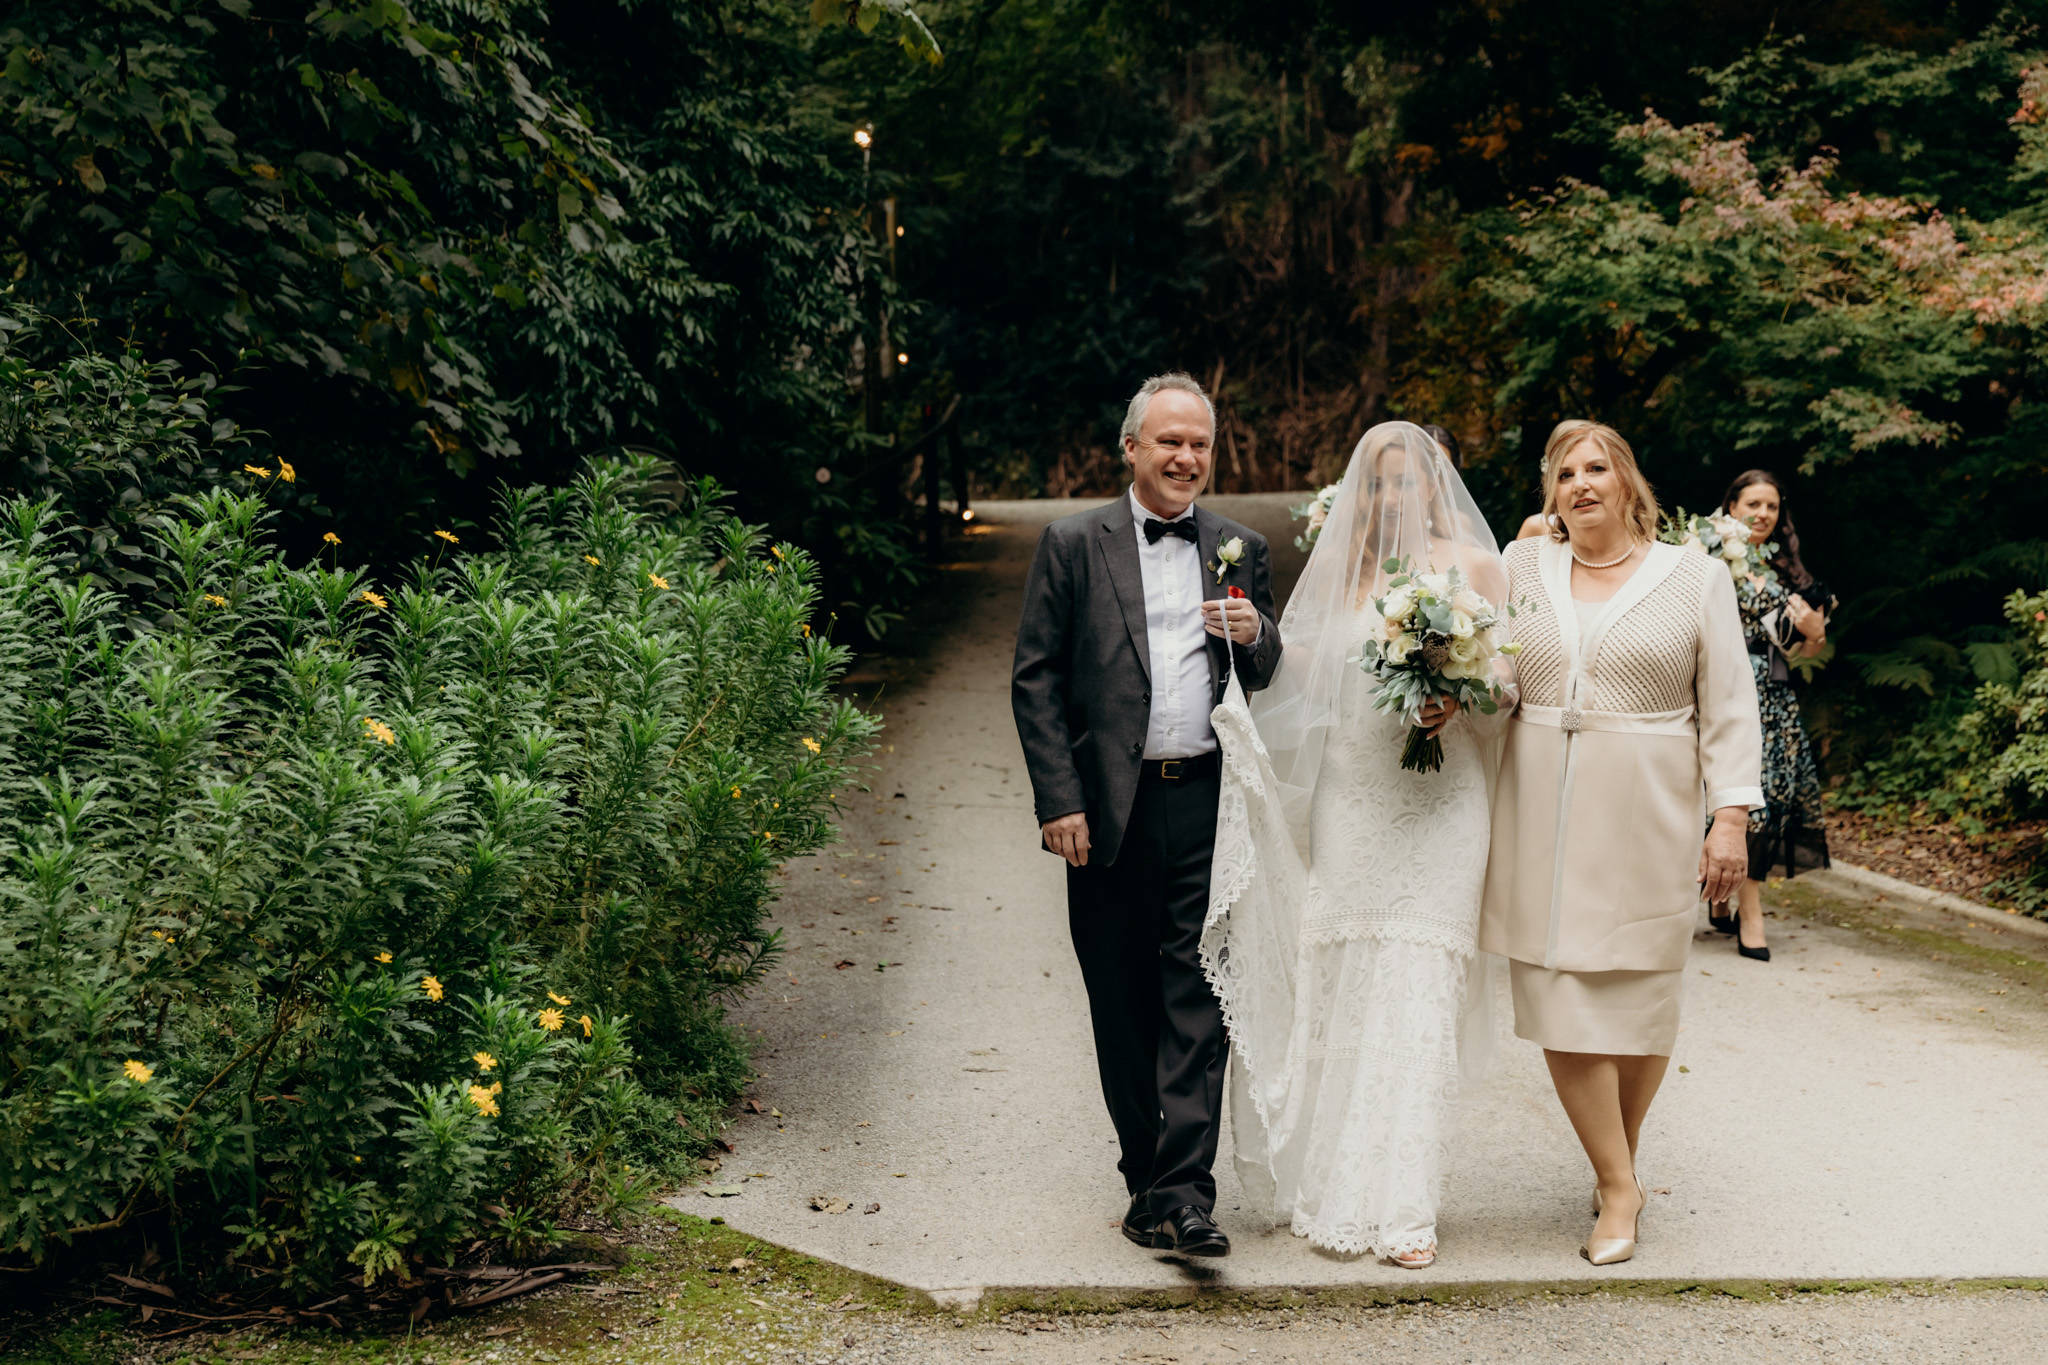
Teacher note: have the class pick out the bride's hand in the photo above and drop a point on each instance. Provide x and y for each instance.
(1437, 714)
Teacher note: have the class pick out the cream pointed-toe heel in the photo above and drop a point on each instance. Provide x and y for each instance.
(1615, 1250)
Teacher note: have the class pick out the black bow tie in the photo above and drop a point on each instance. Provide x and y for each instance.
(1155, 528)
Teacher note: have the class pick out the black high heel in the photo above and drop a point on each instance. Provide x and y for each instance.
(1726, 924)
(1754, 954)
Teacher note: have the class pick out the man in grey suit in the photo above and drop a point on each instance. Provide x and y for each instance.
(1132, 615)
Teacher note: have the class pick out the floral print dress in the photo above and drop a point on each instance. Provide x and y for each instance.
(1790, 830)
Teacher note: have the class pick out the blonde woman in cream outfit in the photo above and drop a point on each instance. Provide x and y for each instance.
(1636, 702)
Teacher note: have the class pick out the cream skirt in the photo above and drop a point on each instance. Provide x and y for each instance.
(1614, 1014)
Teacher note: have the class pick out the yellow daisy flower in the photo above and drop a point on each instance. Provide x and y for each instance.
(450, 537)
(136, 1071)
(813, 745)
(587, 1025)
(385, 957)
(592, 560)
(286, 472)
(376, 600)
(331, 538)
(215, 600)
(558, 999)
(377, 729)
(806, 629)
(776, 551)
(486, 1104)
(658, 581)
(551, 1020)
(432, 986)
(485, 1060)
(258, 470)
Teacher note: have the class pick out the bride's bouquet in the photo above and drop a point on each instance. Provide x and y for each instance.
(1438, 638)
(1317, 510)
(1724, 538)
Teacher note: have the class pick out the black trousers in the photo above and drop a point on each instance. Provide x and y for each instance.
(1159, 1039)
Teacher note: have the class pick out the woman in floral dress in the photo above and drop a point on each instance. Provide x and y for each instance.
(1781, 624)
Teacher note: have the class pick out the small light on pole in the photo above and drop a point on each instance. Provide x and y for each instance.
(903, 357)
(863, 138)
(968, 515)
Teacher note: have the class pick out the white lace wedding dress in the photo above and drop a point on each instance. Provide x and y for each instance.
(1343, 1131)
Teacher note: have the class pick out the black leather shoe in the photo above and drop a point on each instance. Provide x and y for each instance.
(1139, 1224)
(1753, 954)
(1191, 1232)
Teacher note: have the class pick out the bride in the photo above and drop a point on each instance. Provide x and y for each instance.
(1344, 902)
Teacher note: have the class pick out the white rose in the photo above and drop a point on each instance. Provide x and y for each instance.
(1734, 551)
(1692, 542)
(1398, 649)
(1400, 603)
(1469, 649)
(1461, 625)
(1470, 602)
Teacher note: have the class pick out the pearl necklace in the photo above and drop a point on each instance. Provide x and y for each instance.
(1589, 564)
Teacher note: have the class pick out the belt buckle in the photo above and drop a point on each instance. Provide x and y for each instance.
(1169, 769)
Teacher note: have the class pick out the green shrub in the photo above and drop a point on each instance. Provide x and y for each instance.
(110, 440)
(2008, 730)
(326, 909)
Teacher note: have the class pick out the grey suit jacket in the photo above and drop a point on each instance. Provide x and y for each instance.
(1081, 686)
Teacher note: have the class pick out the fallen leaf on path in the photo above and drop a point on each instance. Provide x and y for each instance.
(887, 843)
(842, 964)
(873, 899)
(825, 1203)
(843, 1302)
(752, 1106)
(894, 1033)
(740, 1263)
(756, 1302)
(1660, 1189)
(864, 1123)
(501, 1330)
(759, 1175)
(901, 1174)
(720, 1191)
(983, 1051)
(872, 1208)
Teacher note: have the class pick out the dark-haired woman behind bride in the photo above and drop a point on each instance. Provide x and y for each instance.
(1344, 900)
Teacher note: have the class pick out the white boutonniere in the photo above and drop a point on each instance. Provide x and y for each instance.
(1229, 555)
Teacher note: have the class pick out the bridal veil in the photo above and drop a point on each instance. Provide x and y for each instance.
(1400, 500)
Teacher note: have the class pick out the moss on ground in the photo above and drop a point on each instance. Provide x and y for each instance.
(690, 1292)
(1907, 927)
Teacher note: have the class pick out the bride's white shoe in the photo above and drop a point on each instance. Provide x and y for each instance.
(1420, 1259)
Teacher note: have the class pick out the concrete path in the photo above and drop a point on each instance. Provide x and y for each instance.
(1863, 1107)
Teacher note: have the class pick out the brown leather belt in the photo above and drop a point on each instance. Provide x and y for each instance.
(1181, 769)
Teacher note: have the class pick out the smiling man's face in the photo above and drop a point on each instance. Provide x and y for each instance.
(1171, 454)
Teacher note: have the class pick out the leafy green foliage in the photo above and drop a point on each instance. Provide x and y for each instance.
(409, 240)
(2009, 727)
(328, 909)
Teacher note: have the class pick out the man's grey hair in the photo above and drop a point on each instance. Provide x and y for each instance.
(1134, 415)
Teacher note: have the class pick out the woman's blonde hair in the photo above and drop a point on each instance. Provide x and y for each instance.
(1641, 514)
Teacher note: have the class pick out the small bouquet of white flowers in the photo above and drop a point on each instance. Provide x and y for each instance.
(1438, 638)
(1724, 538)
(1317, 510)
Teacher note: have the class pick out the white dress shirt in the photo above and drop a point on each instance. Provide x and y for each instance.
(1179, 646)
